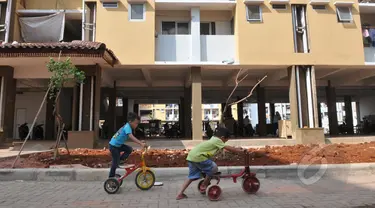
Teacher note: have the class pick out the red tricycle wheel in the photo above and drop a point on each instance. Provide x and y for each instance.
(250, 185)
(213, 192)
(199, 187)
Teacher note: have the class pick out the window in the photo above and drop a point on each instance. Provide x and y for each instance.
(173, 28)
(137, 12)
(344, 14)
(254, 13)
(319, 7)
(182, 28)
(110, 5)
(208, 28)
(279, 6)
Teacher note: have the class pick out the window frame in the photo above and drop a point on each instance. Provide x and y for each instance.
(338, 14)
(316, 7)
(260, 13)
(130, 12)
(286, 6)
(175, 27)
(210, 25)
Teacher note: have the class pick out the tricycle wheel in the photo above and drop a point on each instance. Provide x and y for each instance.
(213, 192)
(250, 185)
(118, 176)
(145, 181)
(111, 185)
(199, 187)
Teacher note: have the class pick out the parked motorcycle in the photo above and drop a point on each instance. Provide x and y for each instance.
(38, 132)
(23, 130)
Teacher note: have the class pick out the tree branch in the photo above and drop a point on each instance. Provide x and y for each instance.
(251, 92)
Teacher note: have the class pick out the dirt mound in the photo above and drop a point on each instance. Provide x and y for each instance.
(280, 155)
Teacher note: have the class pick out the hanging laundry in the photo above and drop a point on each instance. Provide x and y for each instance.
(372, 36)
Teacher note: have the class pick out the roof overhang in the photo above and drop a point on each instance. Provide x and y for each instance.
(253, 2)
(319, 2)
(344, 3)
(76, 50)
(202, 4)
(279, 1)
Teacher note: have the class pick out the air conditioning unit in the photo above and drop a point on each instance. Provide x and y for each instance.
(109, 4)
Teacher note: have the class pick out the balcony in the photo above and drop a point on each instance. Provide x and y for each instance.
(217, 48)
(173, 48)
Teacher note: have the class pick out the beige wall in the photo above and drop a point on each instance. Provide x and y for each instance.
(334, 43)
(271, 41)
(267, 43)
(133, 42)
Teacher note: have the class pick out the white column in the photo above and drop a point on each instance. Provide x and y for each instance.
(195, 35)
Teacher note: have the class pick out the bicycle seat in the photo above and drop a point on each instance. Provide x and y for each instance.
(217, 174)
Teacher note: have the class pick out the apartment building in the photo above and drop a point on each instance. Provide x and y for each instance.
(187, 52)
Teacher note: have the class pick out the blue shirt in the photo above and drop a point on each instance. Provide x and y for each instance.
(121, 135)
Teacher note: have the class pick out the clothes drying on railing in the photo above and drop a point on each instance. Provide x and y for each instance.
(368, 33)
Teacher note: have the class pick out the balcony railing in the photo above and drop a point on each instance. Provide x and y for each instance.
(170, 48)
(217, 48)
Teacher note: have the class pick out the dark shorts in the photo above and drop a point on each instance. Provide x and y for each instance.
(196, 168)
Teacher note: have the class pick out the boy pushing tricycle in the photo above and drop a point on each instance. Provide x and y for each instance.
(199, 162)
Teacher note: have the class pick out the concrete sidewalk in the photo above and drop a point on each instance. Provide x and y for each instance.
(273, 193)
(303, 172)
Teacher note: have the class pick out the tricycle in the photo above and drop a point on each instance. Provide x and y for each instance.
(144, 180)
(250, 183)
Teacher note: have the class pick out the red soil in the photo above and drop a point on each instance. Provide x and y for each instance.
(298, 154)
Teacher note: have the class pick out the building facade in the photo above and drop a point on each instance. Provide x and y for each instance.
(189, 53)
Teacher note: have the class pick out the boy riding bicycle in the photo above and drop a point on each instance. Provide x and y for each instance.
(116, 145)
(199, 159)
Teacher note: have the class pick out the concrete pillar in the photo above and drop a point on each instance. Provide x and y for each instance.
(136, 108)
(349, 114)
(272, 111)
(91, 99)
(319, 115)
(111, 113)
(187, 113)
(130, 105)
(8, 100)
(228, 113)
(332, 111)
(196, 94)
(303, 97)
(125, 108)
(88, 109)
(262, 122)
(195, 35)
(240, 118)
(293, 100)
(75, 108)
(181, 113)
(50, 127)
(6, 84)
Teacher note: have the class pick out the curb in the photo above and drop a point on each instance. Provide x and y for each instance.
(167, 174)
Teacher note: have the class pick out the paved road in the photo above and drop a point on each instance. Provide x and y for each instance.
(329, 193)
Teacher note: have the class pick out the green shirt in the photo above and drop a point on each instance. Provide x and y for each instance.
(205, 150)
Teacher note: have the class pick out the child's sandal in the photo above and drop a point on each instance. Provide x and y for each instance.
(181, 196)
